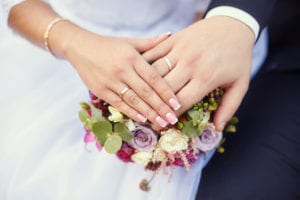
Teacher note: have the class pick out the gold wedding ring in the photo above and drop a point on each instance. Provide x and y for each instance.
(168, 62)
(123, 92)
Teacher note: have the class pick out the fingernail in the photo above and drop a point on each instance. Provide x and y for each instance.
(142, 118)
(222, 125)
(166, 34)
(161, 121)
(171, 118)
(174, 103)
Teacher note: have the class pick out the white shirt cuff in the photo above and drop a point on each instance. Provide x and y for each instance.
(238, 14)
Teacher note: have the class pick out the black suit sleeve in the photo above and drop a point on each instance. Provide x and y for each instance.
(259, 9)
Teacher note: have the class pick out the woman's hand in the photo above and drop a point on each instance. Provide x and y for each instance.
(109, 65)
(211, 53)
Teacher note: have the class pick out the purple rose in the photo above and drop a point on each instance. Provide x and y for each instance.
(209, 139)
(144, 138)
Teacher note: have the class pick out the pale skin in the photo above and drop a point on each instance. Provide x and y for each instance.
(211, 53)
(106, 65)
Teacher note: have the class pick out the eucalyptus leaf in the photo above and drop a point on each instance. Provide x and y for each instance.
(201, 127)
(83, 116)
(97, 114)
(189, 129)
(123, 132)
(84, 106)
(102, 129)
(113, 143)
(196, 116)
(88, 124)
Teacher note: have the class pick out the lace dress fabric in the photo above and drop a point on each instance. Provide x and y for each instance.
(42, 153)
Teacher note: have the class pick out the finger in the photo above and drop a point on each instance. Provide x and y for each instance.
(192, 93)
(160, 94)
(142, 95)
(178, 77)
(114, 100)
(231, 100)
(164, 65)
(142, 45)
(158, 51)
(135, 101)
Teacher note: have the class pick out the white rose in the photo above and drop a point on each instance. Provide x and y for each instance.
(159, 155)
(115, 116)
(142, 157)
(173, 140)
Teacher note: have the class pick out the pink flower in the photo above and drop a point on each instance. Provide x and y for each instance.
(144, 138)
(89, 136)
(98, 145)
(191, 157)
(125, 152)
(209, 139)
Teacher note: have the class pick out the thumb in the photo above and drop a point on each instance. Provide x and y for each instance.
(230, 102)
(142, 45)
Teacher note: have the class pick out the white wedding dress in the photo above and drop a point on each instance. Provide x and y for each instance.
(42, 153)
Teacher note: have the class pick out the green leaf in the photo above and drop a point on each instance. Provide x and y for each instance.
(213, 106)
(230, 129)
(123, 132)
(196, 116)
(102, 129)
(83, 116)
(233, 120)
(113, 144)
(88, 123)
(97, 113)
(201, 127)
(189, 129)
(84, 106)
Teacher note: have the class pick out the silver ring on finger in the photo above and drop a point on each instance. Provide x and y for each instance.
(168, 62)
(122, 93)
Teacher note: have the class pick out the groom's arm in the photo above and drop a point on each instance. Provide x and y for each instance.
(254, 13)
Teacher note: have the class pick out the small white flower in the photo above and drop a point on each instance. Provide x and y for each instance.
(115, 116)
(173, 140)
(159, 155)
(142, 157)
(130, 125)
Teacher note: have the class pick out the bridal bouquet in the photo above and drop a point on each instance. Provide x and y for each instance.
(176, 145)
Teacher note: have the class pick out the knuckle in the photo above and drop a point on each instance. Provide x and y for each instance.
(119, 104)
(133, 99)
(117, 69)
(154, 78)
(161, 107)
(146, 92)
(130, 56)
(150, 114)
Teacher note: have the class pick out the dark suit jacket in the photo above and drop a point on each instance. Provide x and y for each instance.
(282, 17)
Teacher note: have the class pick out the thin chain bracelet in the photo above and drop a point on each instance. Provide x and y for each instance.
(46, 34)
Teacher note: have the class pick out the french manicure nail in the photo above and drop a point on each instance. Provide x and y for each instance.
(171, 118)
(222, 125)
(142, 118)
(166, 34)
(174, 103)
(161, 121)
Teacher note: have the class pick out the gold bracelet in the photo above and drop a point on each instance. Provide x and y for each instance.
(46, 34)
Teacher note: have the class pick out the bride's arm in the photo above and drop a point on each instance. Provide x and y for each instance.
(107, 65)
(31, 18)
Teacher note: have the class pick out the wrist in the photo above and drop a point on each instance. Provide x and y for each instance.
(61, 37)
(235, 28)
